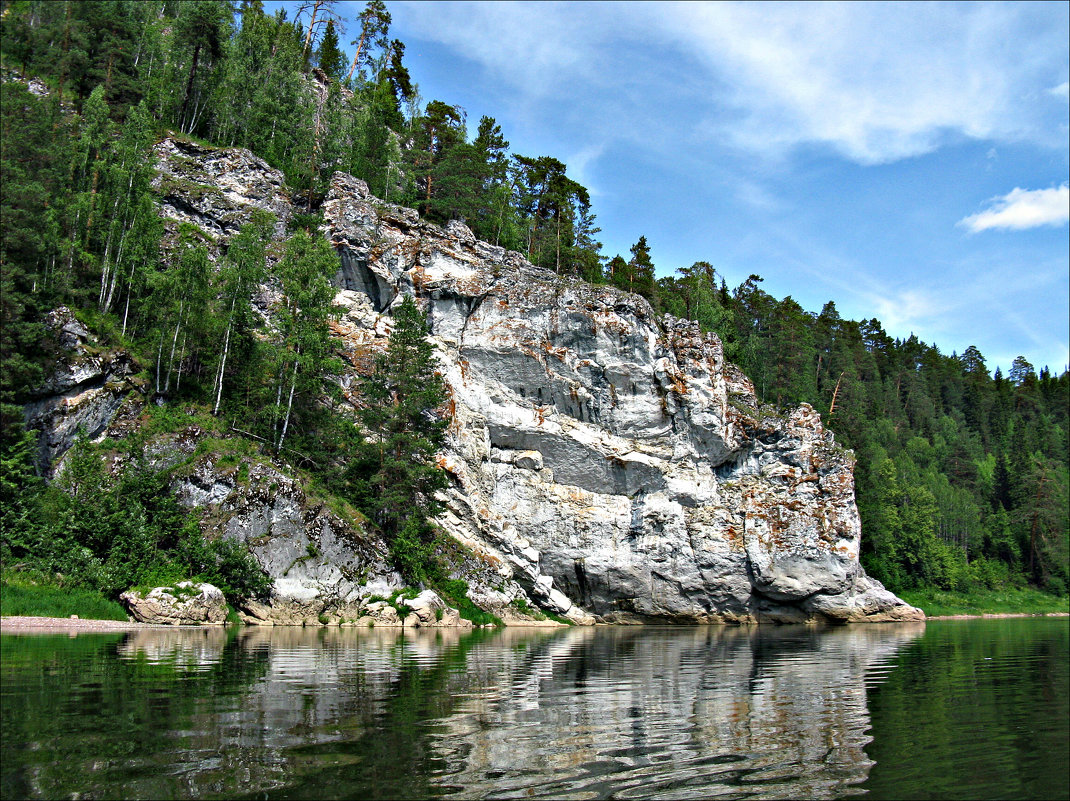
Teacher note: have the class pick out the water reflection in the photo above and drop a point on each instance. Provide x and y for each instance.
(329, 712)
(181, 649)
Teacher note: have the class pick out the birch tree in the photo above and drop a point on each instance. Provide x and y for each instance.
(242, 270)
(304, 356)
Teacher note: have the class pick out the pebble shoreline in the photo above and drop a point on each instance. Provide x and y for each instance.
(10, 625)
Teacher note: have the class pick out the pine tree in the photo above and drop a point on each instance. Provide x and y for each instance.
(396, 477)
(374, 27)
(328, 56)
(642, 269)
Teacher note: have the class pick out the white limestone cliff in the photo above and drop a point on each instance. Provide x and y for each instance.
(609, 460)
(606, 464)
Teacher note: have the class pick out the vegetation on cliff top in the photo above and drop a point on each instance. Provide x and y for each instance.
(962, 476)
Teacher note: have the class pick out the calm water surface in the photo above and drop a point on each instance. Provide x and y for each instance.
(957, 709)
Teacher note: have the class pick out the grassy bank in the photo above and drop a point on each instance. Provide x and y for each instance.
(986, 602)
(44, 600)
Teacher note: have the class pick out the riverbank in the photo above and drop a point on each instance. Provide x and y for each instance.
(943, 605)
(37, 625)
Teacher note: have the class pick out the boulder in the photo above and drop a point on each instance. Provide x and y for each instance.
(185, 604)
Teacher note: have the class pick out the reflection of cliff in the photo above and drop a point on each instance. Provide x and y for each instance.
(702, 711)
(696, 711)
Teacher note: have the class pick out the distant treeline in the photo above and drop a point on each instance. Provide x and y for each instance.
(962, 476)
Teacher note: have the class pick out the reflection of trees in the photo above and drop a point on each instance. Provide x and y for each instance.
(988, 678)
(98, 705)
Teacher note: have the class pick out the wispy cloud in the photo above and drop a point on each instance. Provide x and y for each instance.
(1022, 208)
(875, 82)
(580, 165)
(1062, 90)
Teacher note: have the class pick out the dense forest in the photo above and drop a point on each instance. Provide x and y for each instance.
(962, 474)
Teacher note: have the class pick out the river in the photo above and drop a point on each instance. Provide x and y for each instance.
(948, 709)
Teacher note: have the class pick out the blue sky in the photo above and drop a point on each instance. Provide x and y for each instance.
(908, 161)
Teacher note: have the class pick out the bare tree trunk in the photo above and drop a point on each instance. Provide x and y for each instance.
(360, 45)
(159, 364)
(311, 26)
(223, 360)
(174, 342)
(835, 392)
(289, 407)
(189, 84)
(115, 273)
(181, 363)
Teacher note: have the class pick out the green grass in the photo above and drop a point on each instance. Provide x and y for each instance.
(52, 601)
(1009, 601)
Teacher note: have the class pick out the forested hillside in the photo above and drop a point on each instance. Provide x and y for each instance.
(962, 474)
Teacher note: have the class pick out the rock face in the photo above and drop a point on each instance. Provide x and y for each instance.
(84, 393)
(185, 604)
(609, 460)
(606, 464)
(216, 189)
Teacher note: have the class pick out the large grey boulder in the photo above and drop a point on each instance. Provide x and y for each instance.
(185, 604)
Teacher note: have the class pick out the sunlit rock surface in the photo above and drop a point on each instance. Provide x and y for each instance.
(609, 460)
(185, 604)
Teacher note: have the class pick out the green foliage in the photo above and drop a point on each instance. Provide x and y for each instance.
(393, 477)
(1010, 601)
(962, 477)
(108, 531)
(455, 592)
(328, 56)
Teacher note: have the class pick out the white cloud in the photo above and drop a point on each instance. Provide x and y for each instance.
(1022, 208)
(531, 45)
(876, 82)
(579, 166)
(1062, 90)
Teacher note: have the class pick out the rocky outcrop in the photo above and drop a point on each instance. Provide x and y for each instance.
(185, 604)
(217, 189)
(607, 459)
(606, 463)
(83, 394)
(321, 563)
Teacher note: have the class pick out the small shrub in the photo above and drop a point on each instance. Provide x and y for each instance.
(455, 591)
